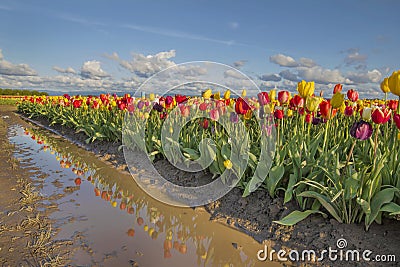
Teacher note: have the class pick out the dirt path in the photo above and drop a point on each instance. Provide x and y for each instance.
(25, 234)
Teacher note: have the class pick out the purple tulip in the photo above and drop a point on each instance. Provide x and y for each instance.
(234, 117)
(316, 121)
(361, 130)
(158, 107)
(140, 104)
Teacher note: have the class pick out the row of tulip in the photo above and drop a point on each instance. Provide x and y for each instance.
(335, 156)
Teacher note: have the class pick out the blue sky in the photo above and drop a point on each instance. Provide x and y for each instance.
(115, 45)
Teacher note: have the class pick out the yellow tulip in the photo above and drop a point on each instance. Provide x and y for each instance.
(305, 88)
(227, 94)
(342, 107)
(207, 94)
(394, 83)
(337, 100)
(272, 95)
(228, 164)
(385, 85)
(289, 113)
(244, 93)
(217, 96)
(312, 103)
(152, 97)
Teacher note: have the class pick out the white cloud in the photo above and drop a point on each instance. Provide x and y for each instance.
(288, 75)
(92, 70)
(239, 63)
(322, 75)
(287, 61)
(230, 73)
(67, 70)
(145, 65)
(270, 77)
(8, 68)
(307, 62)
(373, 76)
(283, 61)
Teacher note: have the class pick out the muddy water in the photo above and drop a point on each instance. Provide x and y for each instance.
(113, 222)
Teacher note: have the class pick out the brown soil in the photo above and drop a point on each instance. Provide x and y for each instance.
(254, 214)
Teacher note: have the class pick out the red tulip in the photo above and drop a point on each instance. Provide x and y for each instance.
(309, 118)
(203, 106)
(338, 88)
(77, 103)
(169, 101)
(396, 119)
(180, 99)
(352, 95)
(283, 97)
(204, 124)
(131, 232)
(95, 105)
(325, 109)
(241, 106)
(278, 114)
(381, 116)
(296, 101)
(78, 181)
(121, 105)
(263, 98)
(393, 104)
(348, 111)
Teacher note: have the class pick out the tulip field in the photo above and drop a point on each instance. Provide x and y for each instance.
(336, 157)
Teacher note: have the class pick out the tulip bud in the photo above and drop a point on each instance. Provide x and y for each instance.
(366, 114)
(385, 85)
(227, 94)
(394, 83)
(396, 119)
(207, 94)
(381, 116)
(283, 97)
(352, 95)
(278, 114)
(305, 88)
(338, 88)
(228, 164)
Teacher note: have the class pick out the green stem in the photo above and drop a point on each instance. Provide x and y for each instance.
(376, 141)
(350, 153)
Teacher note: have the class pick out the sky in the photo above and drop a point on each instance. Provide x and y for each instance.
(105, 46)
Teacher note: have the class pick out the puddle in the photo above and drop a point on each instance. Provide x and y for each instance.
(114, 222)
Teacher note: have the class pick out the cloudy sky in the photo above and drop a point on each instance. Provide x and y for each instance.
(116, 45)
